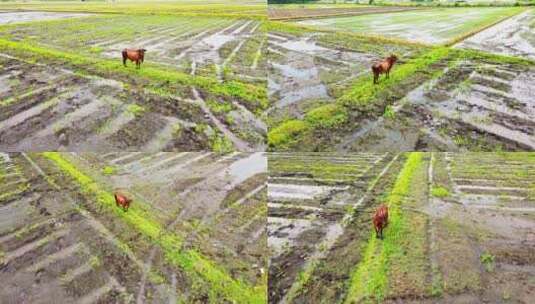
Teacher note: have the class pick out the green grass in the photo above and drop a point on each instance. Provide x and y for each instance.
(287, 134)
(440, 192)
(216, 281)
(109, 170)
(135, 109)
(487, 260)
(369, 279)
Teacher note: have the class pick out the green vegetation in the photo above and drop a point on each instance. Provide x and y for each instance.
(369, 280)
(487, 260)
(109, 170)
(135, 109)
(328, 116)
(287, 134)
(219, 283)
(439, 192)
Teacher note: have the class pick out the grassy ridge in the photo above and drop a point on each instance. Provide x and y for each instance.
(150, 72)
(219, 283)
(360, 98)
(370, 278)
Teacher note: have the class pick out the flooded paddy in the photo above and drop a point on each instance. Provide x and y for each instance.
(7, 17)
(512, 37)
(60, 239)
(226, 48)
(475, 205)
(435, 25)
(472, 106)
(322, 97)
(313, 69)
(286, 12)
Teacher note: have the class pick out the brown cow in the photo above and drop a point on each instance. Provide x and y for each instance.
(380, 220)
(123, 201)
(383, 67)
(135, 55)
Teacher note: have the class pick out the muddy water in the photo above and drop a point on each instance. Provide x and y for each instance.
(9, 17)
(244, 169)
(513, 37)
(298, 76)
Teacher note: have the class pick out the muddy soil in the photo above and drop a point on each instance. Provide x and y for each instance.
(51, 249)
(217, 203)
(55, 243)
(312, 69)
(472, 106)
(48, 108)
(512, 37)
(491, 228)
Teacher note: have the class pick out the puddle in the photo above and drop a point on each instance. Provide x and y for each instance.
(244, 168)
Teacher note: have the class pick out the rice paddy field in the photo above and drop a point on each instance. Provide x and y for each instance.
(436, 25)
(461, 227)
(194, 233)
(202, 86)
(462, 82)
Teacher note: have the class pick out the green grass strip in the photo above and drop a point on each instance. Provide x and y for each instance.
(370, 278)
(218, 282)
(360, 97)
(104, 67)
